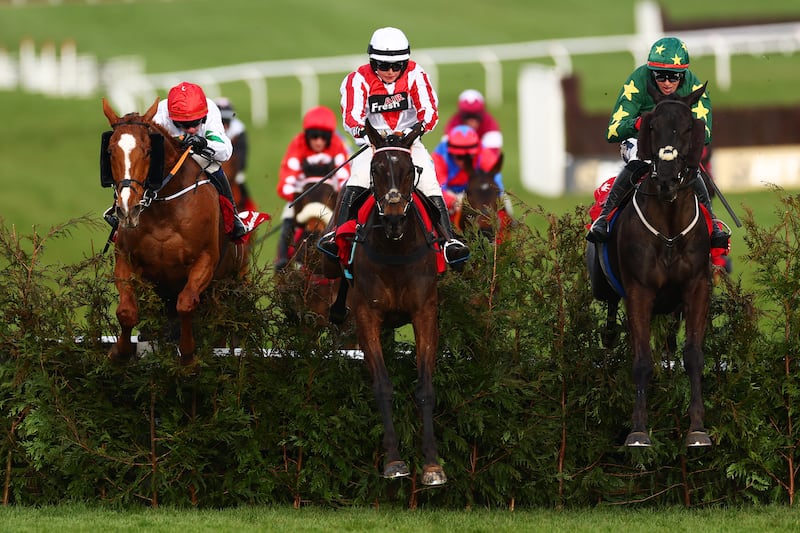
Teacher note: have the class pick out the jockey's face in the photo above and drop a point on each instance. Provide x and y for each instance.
(667, 87)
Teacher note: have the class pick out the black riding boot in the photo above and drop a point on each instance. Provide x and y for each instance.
(628, 177)
(224, 188)
(284, 241)
(327, 243)
(455, 251)
(719, 238)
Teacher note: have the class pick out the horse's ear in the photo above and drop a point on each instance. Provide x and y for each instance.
(698, 141)
(416, 132)
(695, 96)
(372, 134)
(112, 117)
(643, 149)
(148, 116)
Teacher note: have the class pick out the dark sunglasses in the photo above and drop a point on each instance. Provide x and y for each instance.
(386, 66)
(186, 124)
(318, 134)
(665, 75)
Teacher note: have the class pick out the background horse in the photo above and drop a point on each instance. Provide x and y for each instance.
(659, 253)
(306, 287)
(482, 203)
(395, 270)
(170, 228)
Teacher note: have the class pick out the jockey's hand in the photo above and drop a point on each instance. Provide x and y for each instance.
(198, 143)
(359, 132)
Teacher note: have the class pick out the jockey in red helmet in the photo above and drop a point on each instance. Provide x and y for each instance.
(317, 146)
(449, 158)
(189, 115)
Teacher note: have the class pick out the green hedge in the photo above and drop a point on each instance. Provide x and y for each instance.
(531, 410)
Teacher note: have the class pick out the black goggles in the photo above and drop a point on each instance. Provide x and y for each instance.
(313, 133)
(186, 124)
(667, 75)
(387, 66)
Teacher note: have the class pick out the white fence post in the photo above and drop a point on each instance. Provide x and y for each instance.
(542, 135)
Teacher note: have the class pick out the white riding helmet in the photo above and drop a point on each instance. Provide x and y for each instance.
(389, 44)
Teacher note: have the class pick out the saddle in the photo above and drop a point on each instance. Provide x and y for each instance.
(352, 232)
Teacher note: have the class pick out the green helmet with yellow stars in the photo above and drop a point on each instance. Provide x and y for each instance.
(668, 53)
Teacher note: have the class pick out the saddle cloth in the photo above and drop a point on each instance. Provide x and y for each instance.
(601, 193)
(345, 234)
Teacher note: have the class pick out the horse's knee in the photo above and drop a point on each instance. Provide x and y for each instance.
(127, 316)
(187, 302)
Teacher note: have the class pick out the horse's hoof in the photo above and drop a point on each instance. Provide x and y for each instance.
(638, 439)
(396, 469)
(697, 439)
(188, 361)
(433, 475)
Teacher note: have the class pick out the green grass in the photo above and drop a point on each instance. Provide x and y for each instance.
(70, 518)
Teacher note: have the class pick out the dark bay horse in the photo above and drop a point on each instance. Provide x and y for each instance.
(482, 203)
(170, 226)
(394, 282)
(658, 255)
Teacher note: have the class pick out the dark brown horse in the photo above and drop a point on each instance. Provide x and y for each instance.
(482, 203)
(658, 255)
(394, 282)
(170, 227)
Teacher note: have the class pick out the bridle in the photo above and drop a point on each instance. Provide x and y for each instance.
(668, 153)
(393, 195)
(148, 193)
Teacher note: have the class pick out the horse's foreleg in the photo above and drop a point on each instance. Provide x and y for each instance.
(639, 323)
(693, 363)
(426, 334)
(127, 312)
(198, 280)
(369, 337)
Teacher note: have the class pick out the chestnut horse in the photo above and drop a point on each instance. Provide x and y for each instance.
(171, 231)
(658, 255)
(394, 282)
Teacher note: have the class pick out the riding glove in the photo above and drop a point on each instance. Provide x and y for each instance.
(197, 143)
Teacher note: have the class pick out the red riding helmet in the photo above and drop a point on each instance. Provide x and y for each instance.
(186, 102)
(463, 140)
(319, 118)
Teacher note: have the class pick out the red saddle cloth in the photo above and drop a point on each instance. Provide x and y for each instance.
(251, 218)
(601, 193)
(346, 232)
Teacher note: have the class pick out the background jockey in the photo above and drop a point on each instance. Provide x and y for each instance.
(318, 146)
(452, 158)
(393, 93)
(236, 131)
(667, 68)
(472, 112)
